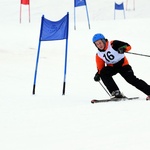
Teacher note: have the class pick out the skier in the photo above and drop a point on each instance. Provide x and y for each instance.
(110, 60)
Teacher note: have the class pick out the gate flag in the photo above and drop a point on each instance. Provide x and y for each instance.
(54, 30)
(24, 2)
(133, 5)
(119, 7)
(78, 3)
(50, 31)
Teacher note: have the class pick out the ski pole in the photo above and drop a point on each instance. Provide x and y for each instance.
(104, 88)
(138, 54)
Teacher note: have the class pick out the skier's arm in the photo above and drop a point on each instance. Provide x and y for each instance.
(120, 46)
(100, 63)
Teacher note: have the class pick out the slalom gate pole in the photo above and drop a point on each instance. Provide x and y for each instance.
(104, 88)
(138, 54)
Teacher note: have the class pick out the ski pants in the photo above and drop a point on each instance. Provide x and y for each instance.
(127, 73)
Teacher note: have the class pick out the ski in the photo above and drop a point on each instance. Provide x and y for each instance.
(113, 99)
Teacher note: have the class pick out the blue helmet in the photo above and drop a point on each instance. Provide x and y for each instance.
(97, 37)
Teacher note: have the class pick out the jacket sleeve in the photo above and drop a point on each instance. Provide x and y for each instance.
(100, 63)
(117, 44)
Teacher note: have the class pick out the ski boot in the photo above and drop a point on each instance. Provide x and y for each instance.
(117, 94)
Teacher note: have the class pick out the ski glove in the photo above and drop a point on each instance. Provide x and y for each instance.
(97, 77)
(122, 49)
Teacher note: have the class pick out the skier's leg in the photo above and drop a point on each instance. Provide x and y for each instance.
(106, 76)
(128, 74)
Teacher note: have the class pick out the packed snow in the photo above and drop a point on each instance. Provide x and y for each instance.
(49, 120)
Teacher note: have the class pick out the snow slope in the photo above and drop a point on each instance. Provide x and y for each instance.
(48, 120)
